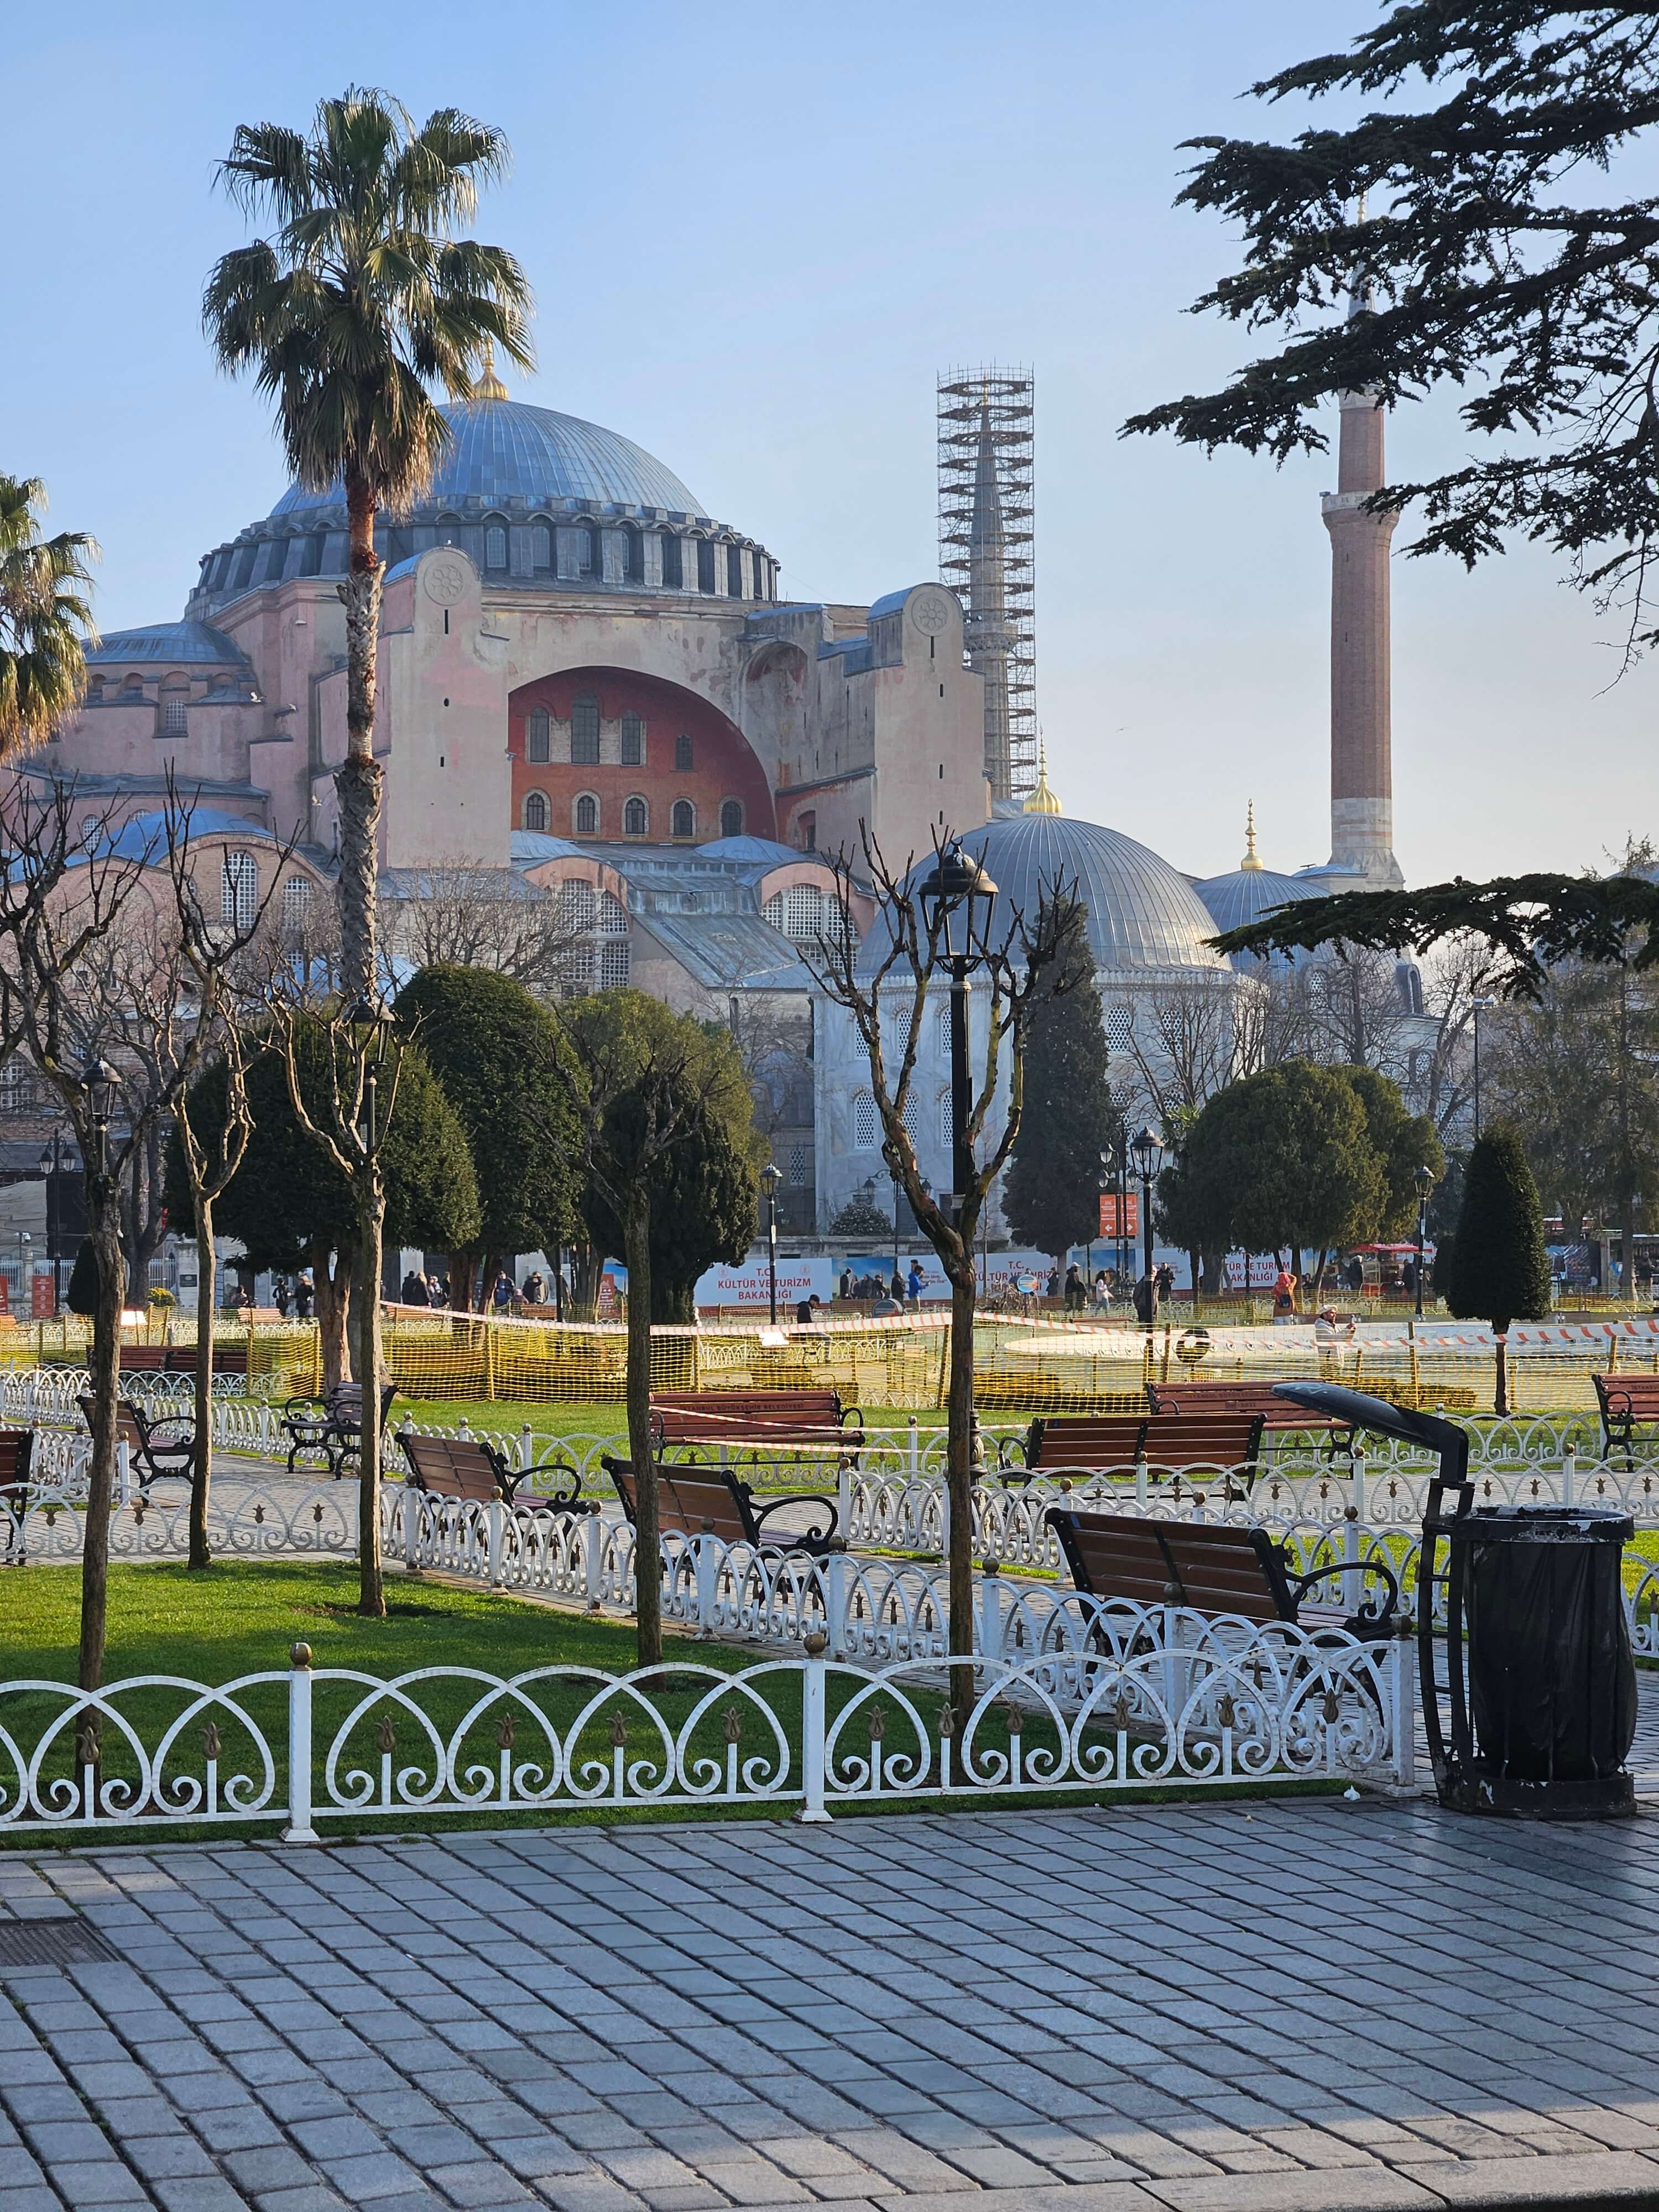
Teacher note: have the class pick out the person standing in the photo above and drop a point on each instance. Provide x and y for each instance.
(1076, 1296)
(913, 1288)
(1284, 1296)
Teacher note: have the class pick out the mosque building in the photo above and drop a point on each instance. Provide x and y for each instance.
(591, 690)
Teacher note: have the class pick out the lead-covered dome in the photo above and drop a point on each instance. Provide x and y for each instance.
(501, 451)
(1250, 891)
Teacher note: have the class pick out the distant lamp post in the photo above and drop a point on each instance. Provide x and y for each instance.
(1146, 1151)
(770, 1180)
(956, 897)
(52, 1169)
(100, 1082)
(1425, 1181)
(24, 1241)
(1477, 1007)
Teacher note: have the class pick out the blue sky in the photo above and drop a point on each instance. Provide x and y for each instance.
(755, 234)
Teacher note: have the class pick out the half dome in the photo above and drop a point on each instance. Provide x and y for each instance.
(502, 451)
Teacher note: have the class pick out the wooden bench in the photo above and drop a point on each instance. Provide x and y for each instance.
(754, 1420)
(332, 1425)
(1117, 1444)
(180, 1358)
(1262, 1398)
(16, 1457)
(1238, 1571)
(153, 1456)
(694, 1501)
(468, 1467)
(1628, 1402)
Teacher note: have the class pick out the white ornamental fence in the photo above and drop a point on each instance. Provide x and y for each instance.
(1159, 1700)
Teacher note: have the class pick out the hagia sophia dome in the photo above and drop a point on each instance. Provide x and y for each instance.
(521, 490)
(1249, 892)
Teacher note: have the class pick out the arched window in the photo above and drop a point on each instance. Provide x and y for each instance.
(633, 740)
(732, 817)
(613, 920)
(636, 818)
(705, 565)
(132, 686)
(585, 729)
(673, 563)
(296, 906)
(94, 692)
(946, 1128)
(633, 565)
(586, 818)
(495, 546)
(684, 818)
(801, 1166)
(733, 572)
(535, 810)
(1120, 1028)
(174, 706)
(866, 1123)
(538, 733)
(239, 888)
(682, 753)
(578, 906)
(942, 1029)
(541, 547)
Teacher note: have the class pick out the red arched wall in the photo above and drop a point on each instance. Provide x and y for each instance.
(722, 765)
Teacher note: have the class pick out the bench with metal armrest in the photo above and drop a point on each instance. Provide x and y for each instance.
(1118, 1443)
(467, 1467)
(754, 1420)
(16, 1457)
(331, 1425)
(696, 1501)
(1628, 1402)
(161, 1447)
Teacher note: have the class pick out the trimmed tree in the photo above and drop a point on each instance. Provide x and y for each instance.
(1403, 1142)
(1499, 1270)
(1051, 1189)
(494, 1048)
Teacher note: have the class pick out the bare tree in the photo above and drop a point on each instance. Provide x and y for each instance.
(1182, 1047)
(462, 914)
(907, 951)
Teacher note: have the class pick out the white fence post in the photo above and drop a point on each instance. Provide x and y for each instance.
(593, 1560)
(124, 1473)
(1352, 1581)
(496, 1511)
(834, 1602)
(915, 1450)
(844, 1502)
(1403, 1671)
(527, 1449)
(814, 1704)
(703, 1546)
(299, 1829)
(945, 1517)
(1568, 1470)
(990, 1613)
(411, 1528)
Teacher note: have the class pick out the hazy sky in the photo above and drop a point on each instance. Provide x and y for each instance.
(755, 234)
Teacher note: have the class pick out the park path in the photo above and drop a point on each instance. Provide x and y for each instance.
(1205, 2008)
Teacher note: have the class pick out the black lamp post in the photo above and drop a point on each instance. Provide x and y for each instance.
(1425, 1181)
(100, 1082)
(956, 897)
(770, 1180)
(1147, 1151)
(52, 1167)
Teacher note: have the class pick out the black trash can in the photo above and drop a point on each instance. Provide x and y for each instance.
(1551, 1683)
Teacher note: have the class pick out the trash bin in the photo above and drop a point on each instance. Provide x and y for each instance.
(1552, 1682)
(1539, 1675)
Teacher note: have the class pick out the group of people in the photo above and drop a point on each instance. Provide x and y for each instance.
(419, 1290)
(903, 1290)
(300, 1294)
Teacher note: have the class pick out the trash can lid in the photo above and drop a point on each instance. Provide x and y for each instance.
(1547, 1524)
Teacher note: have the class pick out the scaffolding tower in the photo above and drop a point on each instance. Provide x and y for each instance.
(986, 548)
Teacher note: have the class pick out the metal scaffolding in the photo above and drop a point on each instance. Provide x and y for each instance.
(986, 548)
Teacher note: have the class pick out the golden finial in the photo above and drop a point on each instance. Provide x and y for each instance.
(487, 385)
(1252, 859)
(1043, 800)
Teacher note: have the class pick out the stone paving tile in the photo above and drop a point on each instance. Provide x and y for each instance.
(577, 2020)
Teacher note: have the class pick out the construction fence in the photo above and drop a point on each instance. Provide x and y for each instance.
(1021, 1366)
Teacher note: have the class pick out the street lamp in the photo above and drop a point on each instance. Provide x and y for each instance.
(1478, 1007)
(1425, 1181)
(52, 1168)
(100, 1082)
(956, 897)
(1147, 1151)
(24, 1241)
(769, 1178)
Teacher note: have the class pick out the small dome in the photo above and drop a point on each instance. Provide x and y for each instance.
(500, 449)
(765, 850)
(1142, 913)
(180, 644)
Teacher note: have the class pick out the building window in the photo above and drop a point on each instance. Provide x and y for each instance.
(538, 735)
(495, 546)
(173, 723)
(802, 912)
(296, 906)
(807, 827)
(238, 889)
(800, 1165)
(541, 547)
(682, 753)
(612, 916)
(684, 818)
(633, 564)
(733, 573)
(132, 687)
(942, 1030)
(705, 565)
(578, 906)
(732, 817)
(673, 564)
(586, 816)
(865, 1122)
(94, 691)
(535, 810)
(633, 740)
(584, 730)
(613, 965)
(593, 558)
(1120, 1028)
(636, 818)
(947, 1135)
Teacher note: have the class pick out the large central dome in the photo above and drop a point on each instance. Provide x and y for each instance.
(1143, 914)
(501, 450)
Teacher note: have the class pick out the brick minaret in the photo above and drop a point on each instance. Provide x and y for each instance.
(1361, 776)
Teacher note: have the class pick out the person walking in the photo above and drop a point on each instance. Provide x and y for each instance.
(413, 1289)
(305, 1296)
(1284, 1296)
(1077, 1296)
(1146, 1301)
(913, 1288)
(1102, 1290)
(535, 1288)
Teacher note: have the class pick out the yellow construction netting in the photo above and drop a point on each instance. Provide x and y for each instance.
(1020, 1366)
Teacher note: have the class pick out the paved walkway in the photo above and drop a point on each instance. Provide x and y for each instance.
(1315, 2005)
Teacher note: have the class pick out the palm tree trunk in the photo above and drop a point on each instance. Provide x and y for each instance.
(358, 782)
(104, 1227)
(201, 1473)
(647, 1533)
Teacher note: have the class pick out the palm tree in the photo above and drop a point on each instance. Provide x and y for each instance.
(361, 301)
(45, 623)
(359, 304)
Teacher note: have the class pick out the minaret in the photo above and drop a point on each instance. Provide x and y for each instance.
(1362, 773)
(986, 629)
